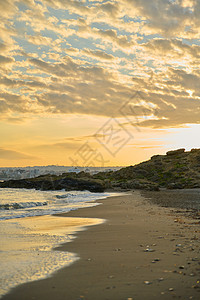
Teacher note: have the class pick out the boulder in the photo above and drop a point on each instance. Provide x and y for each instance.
(176, 152)
(195, 150)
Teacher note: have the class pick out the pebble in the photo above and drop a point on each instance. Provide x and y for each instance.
(171, 289)
(195, 286)
(147, 282)
(169, 271)
(160, 279)
(195, 259)
(149, 250)
(181, 267)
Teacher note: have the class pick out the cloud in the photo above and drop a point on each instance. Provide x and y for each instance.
(172, 47)
(169, 18)
(69, 68)
(8, 8)
(112, 36)
(6, 60)
(94, 91)
(39, 40)
(70, 144)
(67, 146)
(2, 47)
(84, 138)
(110, 54)
(98, 54)
(112, 9)
(16, 120)
(13, 155)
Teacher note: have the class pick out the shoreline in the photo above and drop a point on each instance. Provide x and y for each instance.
(27, 247)
(133, 255)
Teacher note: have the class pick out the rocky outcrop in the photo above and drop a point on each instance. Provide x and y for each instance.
(49, 182)
(177, 169)
(176, 152)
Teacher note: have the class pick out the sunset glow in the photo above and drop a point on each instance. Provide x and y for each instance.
(101, 83)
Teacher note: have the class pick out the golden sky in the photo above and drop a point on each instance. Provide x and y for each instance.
(98, 83)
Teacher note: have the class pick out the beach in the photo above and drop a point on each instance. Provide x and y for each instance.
(141, 251)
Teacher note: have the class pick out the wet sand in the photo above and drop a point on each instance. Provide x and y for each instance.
(142, 251)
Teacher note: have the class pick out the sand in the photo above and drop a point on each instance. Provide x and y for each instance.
(142, 251)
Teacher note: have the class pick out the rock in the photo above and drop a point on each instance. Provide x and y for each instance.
(195, 150)
(160, 279)
(149, 250)
(147, 282)
(48, 182)
(176, 152)
(175, 185)
(155, 157)
(176, 170)
(181, 267)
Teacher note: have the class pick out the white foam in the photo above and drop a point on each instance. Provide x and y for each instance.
(19, 203)
(27, 241)
(26, 250)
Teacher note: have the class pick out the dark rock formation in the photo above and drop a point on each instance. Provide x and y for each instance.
(176, 152)
(176, 170)
(49, 182)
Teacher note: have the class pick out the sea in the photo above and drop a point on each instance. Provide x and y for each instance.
(30, 230)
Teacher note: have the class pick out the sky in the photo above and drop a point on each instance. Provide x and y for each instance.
(98, 83)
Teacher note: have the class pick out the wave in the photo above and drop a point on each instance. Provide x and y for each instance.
(65, 196)
(21, 205)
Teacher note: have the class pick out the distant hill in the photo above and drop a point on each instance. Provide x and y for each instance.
(175, 170)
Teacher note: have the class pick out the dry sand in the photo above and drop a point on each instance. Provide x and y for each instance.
(142, 251)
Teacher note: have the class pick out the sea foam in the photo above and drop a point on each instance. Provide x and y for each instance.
(29, 232)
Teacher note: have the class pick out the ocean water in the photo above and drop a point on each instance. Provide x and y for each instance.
(19, 203)
(29, 231)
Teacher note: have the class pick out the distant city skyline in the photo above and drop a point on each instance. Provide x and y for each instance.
(29, 172)
(99, 83)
